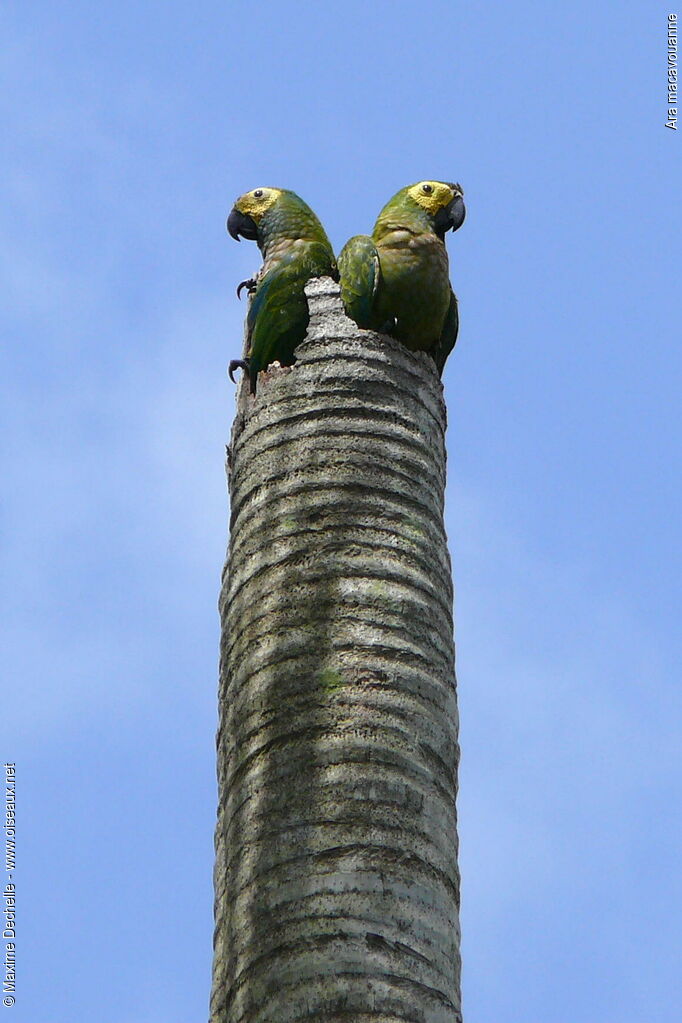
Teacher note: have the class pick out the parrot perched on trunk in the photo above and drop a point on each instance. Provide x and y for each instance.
(396, 281)
(295, 248)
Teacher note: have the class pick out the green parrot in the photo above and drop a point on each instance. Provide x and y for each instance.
(396, 282)
(295, 248)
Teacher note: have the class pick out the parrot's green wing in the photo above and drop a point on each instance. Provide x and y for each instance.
(360, 277)
(278, 317)
(318, 261)
(448, 335)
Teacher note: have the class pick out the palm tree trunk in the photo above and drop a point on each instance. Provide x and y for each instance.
(336, 881)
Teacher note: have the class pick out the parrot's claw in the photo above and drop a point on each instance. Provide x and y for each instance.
(237, 364)
(249, 284)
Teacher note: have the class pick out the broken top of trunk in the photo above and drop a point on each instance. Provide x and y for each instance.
(332, 339)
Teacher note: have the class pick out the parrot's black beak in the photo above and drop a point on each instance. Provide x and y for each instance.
(241, 224)
(457, 212)
(451, 217)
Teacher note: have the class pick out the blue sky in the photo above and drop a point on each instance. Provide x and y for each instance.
(131, 129)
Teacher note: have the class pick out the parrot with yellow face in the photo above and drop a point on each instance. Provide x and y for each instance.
(294, 248)
(396, 281)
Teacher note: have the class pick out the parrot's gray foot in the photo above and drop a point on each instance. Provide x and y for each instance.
(249, 284)
(389, 326)
(237, 364)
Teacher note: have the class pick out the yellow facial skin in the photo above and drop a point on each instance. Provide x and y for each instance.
(433, 195)
(257, 202)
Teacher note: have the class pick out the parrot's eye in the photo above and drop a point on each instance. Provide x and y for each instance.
(428, 189)
(258, 193)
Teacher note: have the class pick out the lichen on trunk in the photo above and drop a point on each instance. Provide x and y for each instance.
(336, 881)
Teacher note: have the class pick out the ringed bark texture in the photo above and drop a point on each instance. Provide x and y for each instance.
(336, 881)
